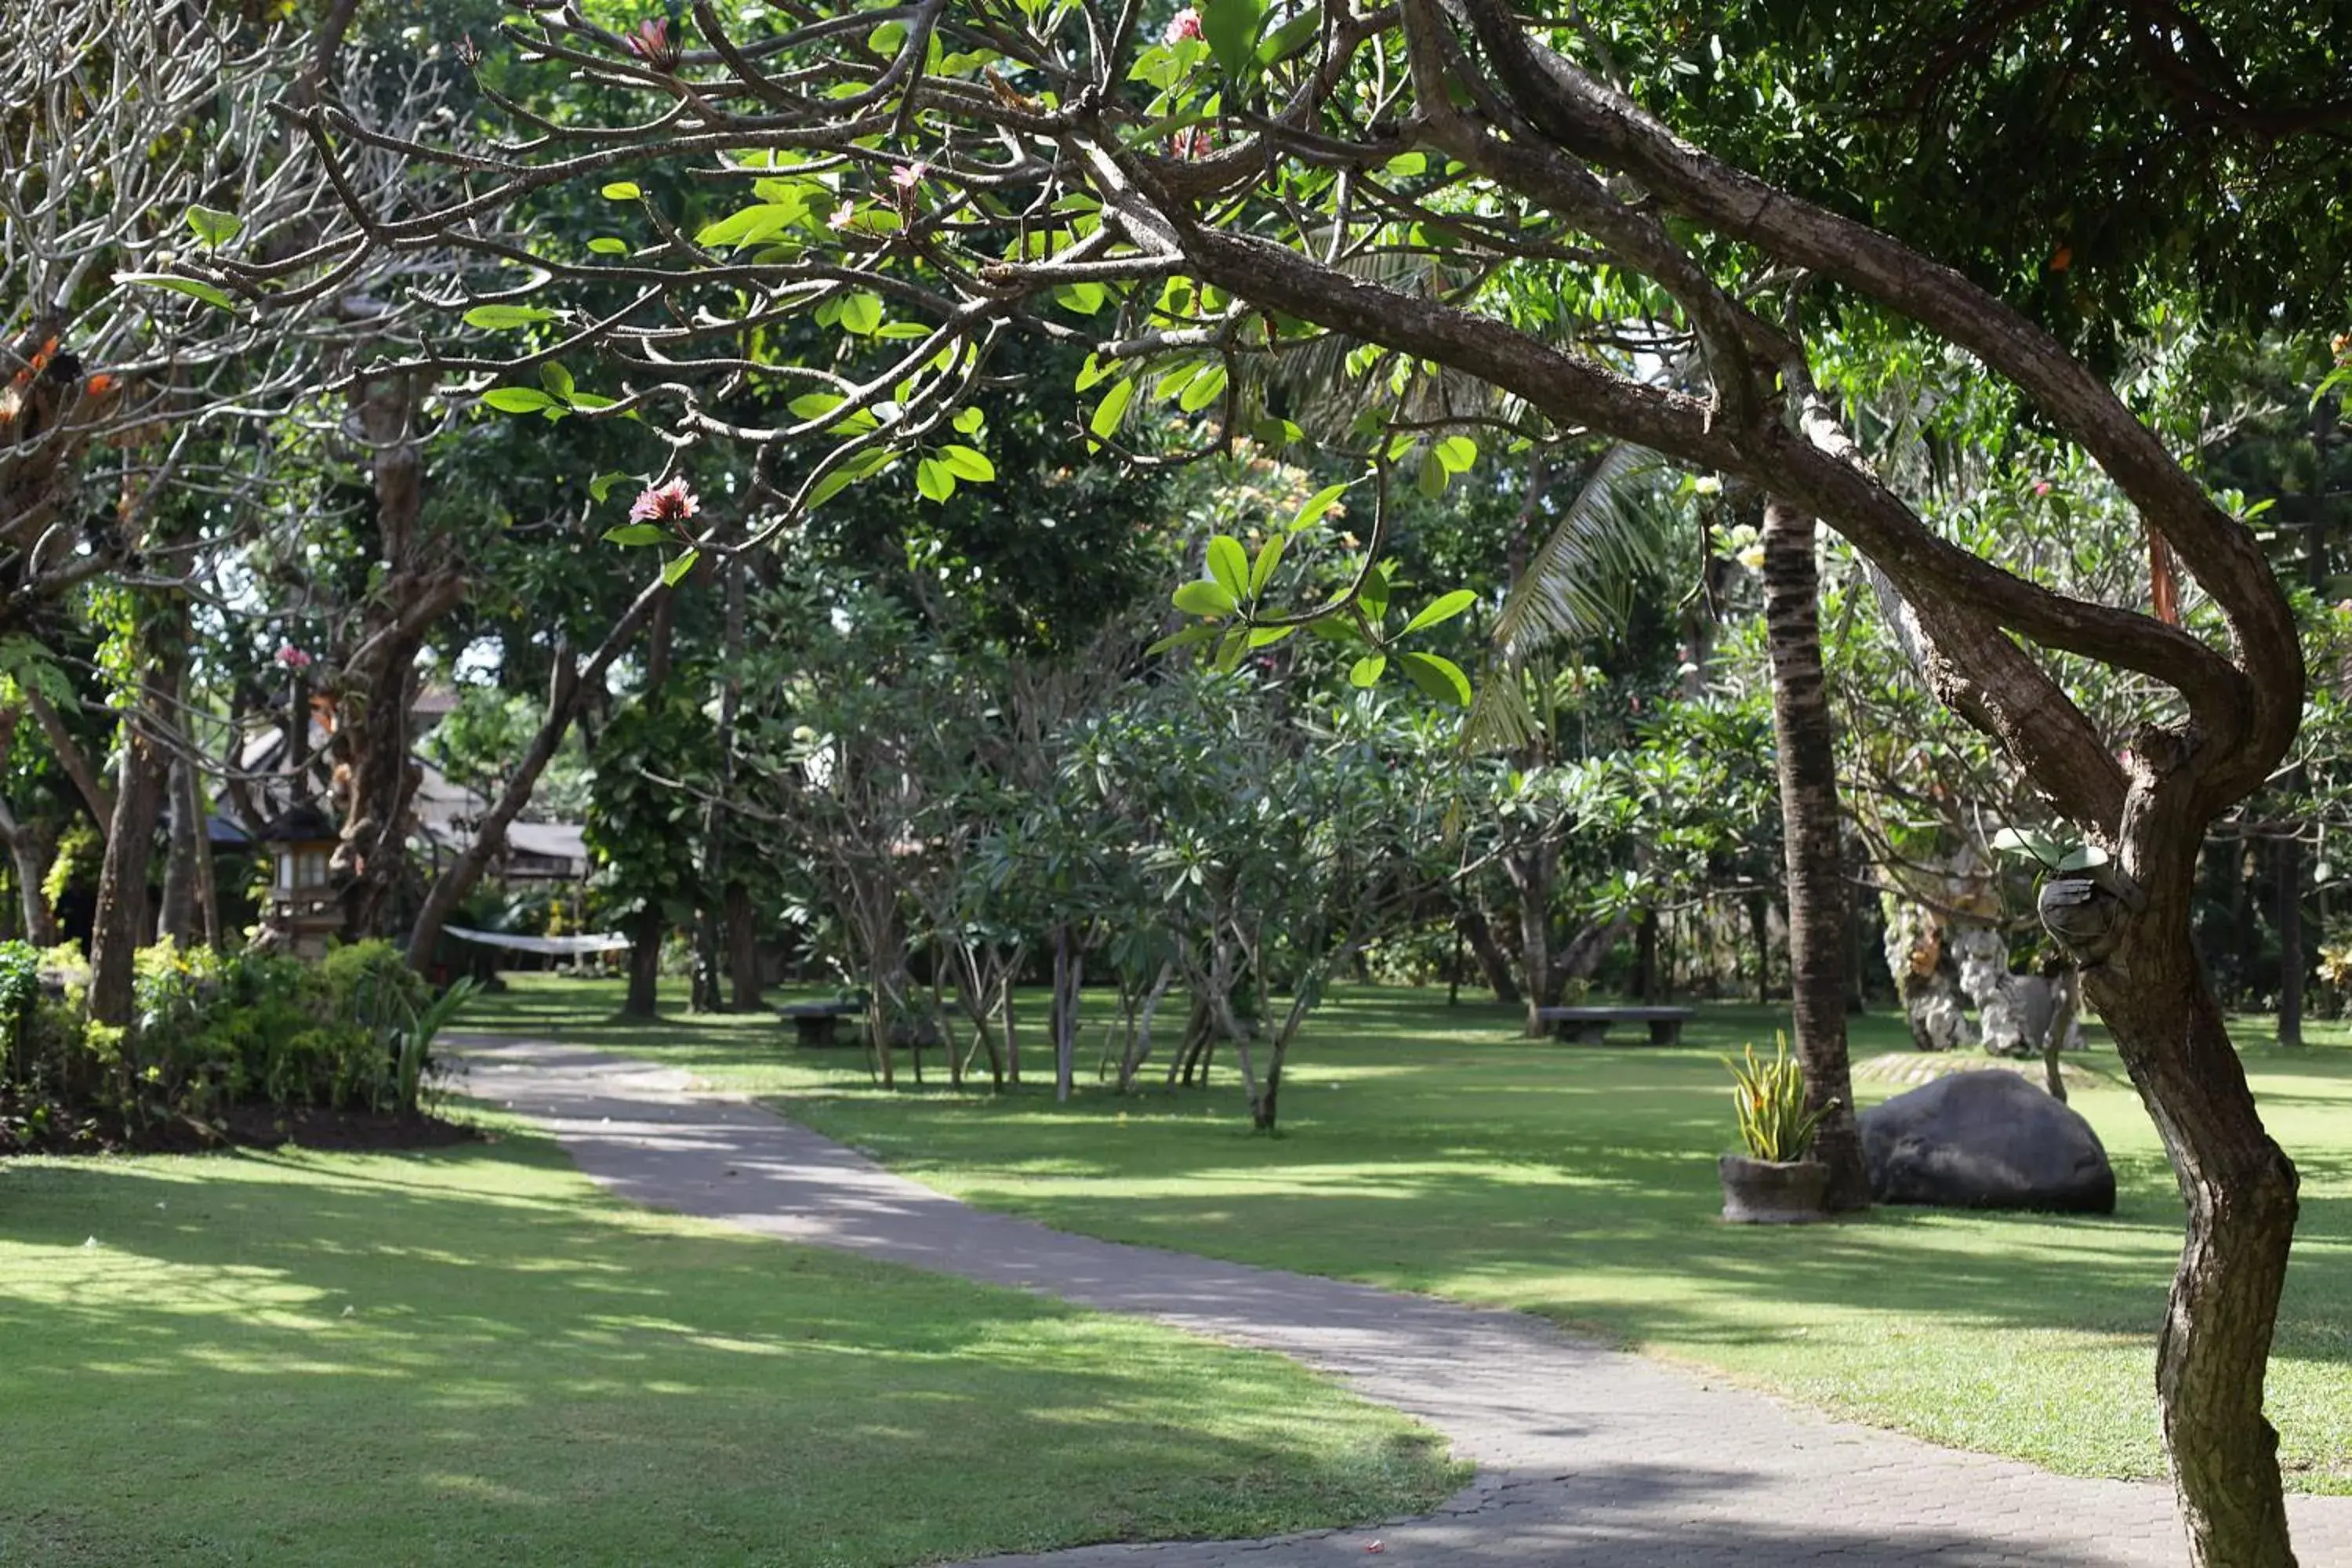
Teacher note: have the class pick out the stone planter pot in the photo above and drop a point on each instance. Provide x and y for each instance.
(1772, 1191)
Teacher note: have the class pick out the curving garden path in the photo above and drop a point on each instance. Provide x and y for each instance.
(1587, 1457)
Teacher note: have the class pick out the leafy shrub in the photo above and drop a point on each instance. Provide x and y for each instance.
(210, 1030)
(1770, 1096)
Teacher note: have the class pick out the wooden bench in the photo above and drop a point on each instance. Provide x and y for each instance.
(1591, 1025)
(816, 1023)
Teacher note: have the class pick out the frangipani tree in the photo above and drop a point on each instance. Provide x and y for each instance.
(1459, 195)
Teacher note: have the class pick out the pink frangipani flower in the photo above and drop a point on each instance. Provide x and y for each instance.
(650, 42)
(1185, 24)
(907, 176)
(292, 657)
(672, 502)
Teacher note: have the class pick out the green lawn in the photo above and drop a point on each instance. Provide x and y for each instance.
(1431, 1150)
(474, 1356)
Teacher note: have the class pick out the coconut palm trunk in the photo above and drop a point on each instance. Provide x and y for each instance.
(1811, 831)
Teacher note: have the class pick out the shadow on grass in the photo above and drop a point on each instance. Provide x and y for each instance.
(1433, 1149)
(461, 1356)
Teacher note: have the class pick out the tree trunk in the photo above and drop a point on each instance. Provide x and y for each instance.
(566, 691)
(177, 921)
(645, 935)
(702, 991)
(119, 925)
(1759, 931)
(2290, 935)
(1811, 829)
(1531, 877)
(31, 851)
(1645, 957)
(379, 684)
(1491, 963)
(2240, 1192)
(207, 891)
(743, 951)
(180, 921)
(2066, 988)
(1065, 1021)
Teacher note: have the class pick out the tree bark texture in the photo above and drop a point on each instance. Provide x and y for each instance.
(32, 848)
(2240, 1188)
(119, 925)
(379, 684)
(1811, 831)
(1065, 1023)
(743, 951)
(31, 851)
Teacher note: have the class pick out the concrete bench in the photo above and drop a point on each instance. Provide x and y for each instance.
(816, 1023)
(1591, 1025)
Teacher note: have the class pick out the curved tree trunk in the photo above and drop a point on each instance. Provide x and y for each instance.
(1811, 830)
(2240, 1188)
(1480, 935)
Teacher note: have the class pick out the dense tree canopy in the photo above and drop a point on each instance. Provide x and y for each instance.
(783, 426)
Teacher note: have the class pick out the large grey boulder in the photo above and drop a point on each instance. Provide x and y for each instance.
(1985, 1139)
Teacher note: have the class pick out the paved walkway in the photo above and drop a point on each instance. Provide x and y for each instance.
(1587, 1457)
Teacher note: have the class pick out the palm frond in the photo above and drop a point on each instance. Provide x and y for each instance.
(1500, 719)
(1578, 585)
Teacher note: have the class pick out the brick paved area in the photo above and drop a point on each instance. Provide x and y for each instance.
(1587, 1457)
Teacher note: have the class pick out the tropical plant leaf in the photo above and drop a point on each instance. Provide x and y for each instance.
(1577, 585)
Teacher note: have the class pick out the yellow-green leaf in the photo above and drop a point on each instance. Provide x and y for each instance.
(1229, 563)
(1439, 678)
(1202, 597)
(1443, 608)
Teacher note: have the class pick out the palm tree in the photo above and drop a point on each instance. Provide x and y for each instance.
(1811, 826)
(1573, 589)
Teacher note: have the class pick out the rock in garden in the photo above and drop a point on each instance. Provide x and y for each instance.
(1985, 1141)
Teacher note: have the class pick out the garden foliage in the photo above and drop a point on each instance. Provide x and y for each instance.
(212, 1031)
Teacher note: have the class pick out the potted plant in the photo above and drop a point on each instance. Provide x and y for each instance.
(1774, 1182)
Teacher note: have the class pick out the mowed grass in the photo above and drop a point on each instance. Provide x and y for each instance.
(1429, 1149)
(474, 1356)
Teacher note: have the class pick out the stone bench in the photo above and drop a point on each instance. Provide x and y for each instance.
(1591, 1025)
(817, 1023)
